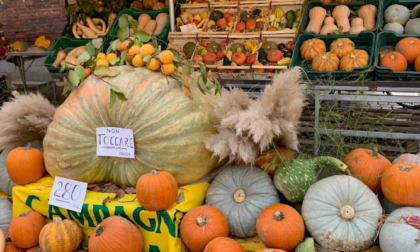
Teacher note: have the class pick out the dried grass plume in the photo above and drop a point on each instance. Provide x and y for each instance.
(24, 119)
(249, 126)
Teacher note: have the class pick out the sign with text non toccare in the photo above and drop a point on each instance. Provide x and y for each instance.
(68, 194)
(114, 142)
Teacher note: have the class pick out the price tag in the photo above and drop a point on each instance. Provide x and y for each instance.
(68, 194)
(114, 142)
(188, 28)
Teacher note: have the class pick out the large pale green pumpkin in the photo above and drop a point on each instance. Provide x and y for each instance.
(170, 129)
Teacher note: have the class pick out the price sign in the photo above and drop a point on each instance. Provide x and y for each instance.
(68, 194)
(188, 28)
(114, 142)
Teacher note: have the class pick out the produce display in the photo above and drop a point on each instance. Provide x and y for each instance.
(273, 54)
(187, 17)
(140, 5)
(209, 51)
(280, 20)
(249, 21)
(220, 21)
(405, 55)
(401, 19)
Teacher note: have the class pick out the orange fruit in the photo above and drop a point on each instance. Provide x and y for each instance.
(111, 56)
(88, 71)
(100, 9)
(166, 57)
(119, 46)
(101, 56)
(102, 62)
(124, 45)
(146, 50)
(168, 69)
(137, 61)
(154, 64)
(134, 50)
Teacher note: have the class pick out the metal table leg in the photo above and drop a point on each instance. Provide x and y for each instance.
(172, 14)
(21, 65)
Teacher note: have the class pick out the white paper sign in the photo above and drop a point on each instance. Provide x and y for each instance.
(68, 194)
(114, 142)
(188, 28)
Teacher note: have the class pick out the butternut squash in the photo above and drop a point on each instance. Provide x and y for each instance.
(341, 14)
(111, 19)
(78, 30)
(74, 30)
(161, 20)
(368, 14)
(101, 23)
(76, 52)
(150, 26)
(87, 31)
(357, 26)
(143, 19)
(316, 17)
(71, 60)
(2, 241)
(61, 55)
(329, 25)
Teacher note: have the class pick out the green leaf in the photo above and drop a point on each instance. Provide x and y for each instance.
(415, 13)
(112, 98)
(184, 70)
(203, 84)
(63, 67)
(180, 198)
(90, 49)
(123, 33)
(129, 66)
(176, 55)
(123, 22)
(133, 24)
(218, 87)
(84, 17)
(121, 96)
(113, 73)
(83, 58)
(116, 89)
(109, 50)
(97, 43)
(114, 61)
(123, 57)
(137, 43)
(114, 45)
(74, 78)
(67, 86)
(154, 42)
(81, 72)
(141, 36)
(204, 74)
(147, 59)
(102, 71)
(89, 63)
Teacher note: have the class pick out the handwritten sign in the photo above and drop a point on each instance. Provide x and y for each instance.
(188, 28)
(68, 194)
(114, 142)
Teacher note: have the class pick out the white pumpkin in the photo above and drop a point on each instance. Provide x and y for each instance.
(396, 27)
(341, 213)
(408, 158)
(397, 13)
(6, 214)
(412, 26)
(241, 192)
(398, 236)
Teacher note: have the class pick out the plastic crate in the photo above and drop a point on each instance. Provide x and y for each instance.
(67, 32)
(352, 6)
(364, 41)
(163, 35)
(66, 44)
(390, 38)
(386, 3)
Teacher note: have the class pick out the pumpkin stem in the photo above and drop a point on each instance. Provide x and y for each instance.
(24, 214)
(375, 152)
(239, 196)
(57, 220)
(405, 168)
(346, 212)
(201, 221)
(28, 146)
(278, 216)
(99, 230)
(154, 172)
(411, 42)
(340, 44)
(392, 57)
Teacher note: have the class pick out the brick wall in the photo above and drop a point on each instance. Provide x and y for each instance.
(25, 20)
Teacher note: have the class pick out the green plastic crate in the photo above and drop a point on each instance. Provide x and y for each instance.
(390, 38)
(352, 6)
(364, 41)
(163, 35)
(67, 32)
(67, 44)
(386, 3)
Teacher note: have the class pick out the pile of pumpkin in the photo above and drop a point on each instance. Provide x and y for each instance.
(343, 55)
(397, 19)
(139, 5)
(405, 53)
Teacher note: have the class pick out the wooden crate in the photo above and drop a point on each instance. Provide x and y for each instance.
(285, 6)
(195, 9)
(249, 6)
(177, 40)
(223, 7)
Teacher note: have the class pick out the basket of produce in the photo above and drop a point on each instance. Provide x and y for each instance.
(191, 20)
(284, 18)
(397, 57)
(221, 21)
(400, 16)
(250, 19)
(184, 44)
(151, 6)
(335, 57)
(338, 18)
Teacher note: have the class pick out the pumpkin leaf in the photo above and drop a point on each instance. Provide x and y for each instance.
(123, 57)
(97, 43)
(147, 59)
(83, 58)
(112, 98)
(180, 198)
(74, 78)
(141, 36)
(123, 22)
(186, 90)
(176, 55)
(90, 49)
(203, 84)
(114, 44)
(123, 33)
(133, 23)
(114, 61)
(102, 71)
(81, 72)
(413, 221)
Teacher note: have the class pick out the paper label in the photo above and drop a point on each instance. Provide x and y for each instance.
(68, 194)
(188, 28)
(114, 142)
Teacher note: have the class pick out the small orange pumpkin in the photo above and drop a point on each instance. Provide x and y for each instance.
(368, 166)
(10, 247)
(201, 225)
(410, 48)
(35, 249)
(354, 59)
(311, 48)
(326, 61)
(25, 228)
(394, 60)
(400, 184)
(25, 165)
(417, 64)
(222, 244)
(342, 46)
(157, 191)
(280, 226)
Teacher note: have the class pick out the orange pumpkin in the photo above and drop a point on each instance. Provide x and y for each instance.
(368, 166)
(116, 233)
(342, 46)
(326, 61)
(270, 160)
(270, 250)
(354, 59)
(201, 225)
(223, 244)
(25, 165)
(311, 48)
(35, 249)
(10, 247)
(157, 191)
(417, 64)
(394, 60)
(280, 226)
(410, 48)
(400, 184)
(25, 228)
